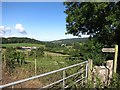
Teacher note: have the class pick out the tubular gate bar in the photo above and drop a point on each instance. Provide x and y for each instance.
(61, 80)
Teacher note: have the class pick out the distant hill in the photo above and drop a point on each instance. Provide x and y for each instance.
(20, 40)
(34, 41)
(71, 40)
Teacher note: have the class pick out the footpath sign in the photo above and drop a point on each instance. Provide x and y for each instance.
(108, 49)
(113, 50)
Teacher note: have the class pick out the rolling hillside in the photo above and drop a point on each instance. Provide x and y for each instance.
(24, 41)
(73, 40)
(20, 40)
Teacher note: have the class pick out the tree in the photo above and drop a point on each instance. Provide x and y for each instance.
(11, 56)
(99, 20)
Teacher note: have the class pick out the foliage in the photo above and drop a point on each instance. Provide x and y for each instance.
(69, 41)
(12, 56)
(99, 20)
(39, 52)
(50, 45)
(89, 50)
(115, 82)
(55, 48)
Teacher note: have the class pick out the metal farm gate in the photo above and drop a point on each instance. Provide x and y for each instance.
(82, 70)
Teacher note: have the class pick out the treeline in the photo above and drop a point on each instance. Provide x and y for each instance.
(20, 40)
(30, 40)
(73, 40)
(54, 47)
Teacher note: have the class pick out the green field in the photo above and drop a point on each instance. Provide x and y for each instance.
(22, 44)
(48, 62)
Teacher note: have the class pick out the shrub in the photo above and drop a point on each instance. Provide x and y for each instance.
(13, 58)
(89, 50)
(115, 82)
(39, 52)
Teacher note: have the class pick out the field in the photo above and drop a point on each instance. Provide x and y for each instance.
(22, 44)
(49, 62)
(43, 65)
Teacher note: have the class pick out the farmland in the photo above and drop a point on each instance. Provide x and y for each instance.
(50, 57)
(20, 63)
(22, 44)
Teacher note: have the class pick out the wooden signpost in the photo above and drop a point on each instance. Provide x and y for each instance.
(115, 50)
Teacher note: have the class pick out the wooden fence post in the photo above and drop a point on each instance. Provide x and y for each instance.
(115, 59)
(90, 64)
(82, 73)
(4, 60)
(35, 67)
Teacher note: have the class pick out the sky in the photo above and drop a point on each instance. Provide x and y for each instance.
(44, 21)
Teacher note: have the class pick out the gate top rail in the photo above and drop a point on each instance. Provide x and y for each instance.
(38, 76)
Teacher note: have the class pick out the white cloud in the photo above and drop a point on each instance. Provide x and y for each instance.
(8, 28)
(5, 30)
(20, 28)
(2, 30)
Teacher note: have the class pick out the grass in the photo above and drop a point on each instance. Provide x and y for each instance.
(44, 65)
(22, 44)
(47, 64)
(50, 61)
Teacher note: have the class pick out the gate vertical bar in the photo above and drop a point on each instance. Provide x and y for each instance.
(12, 87)
(63, 79)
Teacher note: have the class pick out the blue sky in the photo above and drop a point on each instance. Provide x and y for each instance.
(43, 21)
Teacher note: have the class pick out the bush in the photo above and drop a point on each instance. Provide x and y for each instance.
(89, 50)
(39, 52)
(13, 58)
(115, 82)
